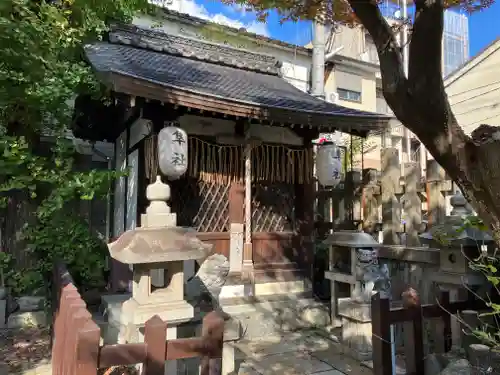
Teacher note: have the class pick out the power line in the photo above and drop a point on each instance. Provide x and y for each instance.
(483, 119)
(475, 96)
(477, 108)
(473, 89)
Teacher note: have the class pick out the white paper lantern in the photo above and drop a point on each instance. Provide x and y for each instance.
(328, 165)
(173, 151)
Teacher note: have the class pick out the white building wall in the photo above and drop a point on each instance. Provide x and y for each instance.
(296, 64)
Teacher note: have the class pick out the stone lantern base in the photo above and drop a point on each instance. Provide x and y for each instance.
(134, 315)
(356, 328)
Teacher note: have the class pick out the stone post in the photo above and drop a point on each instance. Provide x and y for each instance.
(470, 321)
(412, 204)
(353, 196)
(436, 201)
(370, 200)
(391, 210)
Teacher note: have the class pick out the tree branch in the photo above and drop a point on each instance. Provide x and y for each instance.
(394, 81)
(425, 58)
(421, 104)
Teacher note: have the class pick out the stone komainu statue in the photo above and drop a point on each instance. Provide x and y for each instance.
(205, 287)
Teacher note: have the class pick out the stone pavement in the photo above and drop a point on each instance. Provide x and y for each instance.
(299, 353)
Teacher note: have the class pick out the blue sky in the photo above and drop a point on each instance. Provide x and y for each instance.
(483, 25)
(484, 28)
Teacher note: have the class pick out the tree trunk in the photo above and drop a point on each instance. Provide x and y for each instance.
(420, 102)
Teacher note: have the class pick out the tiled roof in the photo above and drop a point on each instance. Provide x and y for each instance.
(240, 78)
(195, 49)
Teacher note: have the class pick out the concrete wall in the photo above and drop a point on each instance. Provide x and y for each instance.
(350, 39)
(474, 90)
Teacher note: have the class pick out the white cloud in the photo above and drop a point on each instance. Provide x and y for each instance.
(192, 8)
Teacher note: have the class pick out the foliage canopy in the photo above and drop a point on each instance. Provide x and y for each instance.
(41, 72)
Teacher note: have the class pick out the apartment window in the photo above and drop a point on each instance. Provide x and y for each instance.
(350, 95)
(349, 86)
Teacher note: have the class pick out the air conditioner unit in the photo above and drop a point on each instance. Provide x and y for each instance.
(365, 56)
(333, 97)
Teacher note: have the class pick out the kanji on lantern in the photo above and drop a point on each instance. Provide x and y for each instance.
(172, 151)
(328, 165)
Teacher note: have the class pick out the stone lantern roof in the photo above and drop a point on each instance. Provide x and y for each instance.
(159, 240)
(351, 238)
(157, 245)
(452, 233)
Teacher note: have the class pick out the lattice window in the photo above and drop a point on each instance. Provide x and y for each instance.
(273, 207)
(203, 205)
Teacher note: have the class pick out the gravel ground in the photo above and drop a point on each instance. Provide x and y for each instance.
(22, 350)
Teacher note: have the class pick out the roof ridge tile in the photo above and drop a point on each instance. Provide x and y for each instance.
(191, 48)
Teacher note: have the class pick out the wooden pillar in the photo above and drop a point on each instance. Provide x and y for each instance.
(304, 215)
(120, 273)
(248, 269)
(236, 226)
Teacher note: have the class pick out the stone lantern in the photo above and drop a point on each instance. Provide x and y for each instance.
(457, 246)
(362, 273)
(157, 245)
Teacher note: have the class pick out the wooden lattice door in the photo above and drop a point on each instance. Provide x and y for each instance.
(201, 204)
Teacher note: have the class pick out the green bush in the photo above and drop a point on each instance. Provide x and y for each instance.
(68, 238)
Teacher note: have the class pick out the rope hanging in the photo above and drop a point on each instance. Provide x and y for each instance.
(211, 162)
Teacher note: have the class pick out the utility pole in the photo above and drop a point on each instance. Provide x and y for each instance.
(404, 44)
(318, 59)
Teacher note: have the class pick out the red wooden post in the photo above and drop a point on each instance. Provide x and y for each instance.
(87, 348)
(79, 315)
(69, 301)
(213, 337)
(155, 337)
(414, 350)
(381, 335)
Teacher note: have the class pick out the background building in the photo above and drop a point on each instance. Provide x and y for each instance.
(357, 44)
(455, 34)
(473, 89)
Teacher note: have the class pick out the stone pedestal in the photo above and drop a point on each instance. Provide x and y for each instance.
(361, 272)
(356, 328)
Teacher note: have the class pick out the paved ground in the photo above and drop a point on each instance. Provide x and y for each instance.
(301, 353)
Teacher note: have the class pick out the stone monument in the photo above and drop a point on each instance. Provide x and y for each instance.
(366, 274)
(157, 245)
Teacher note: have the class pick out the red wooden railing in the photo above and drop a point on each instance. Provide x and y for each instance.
(76, 348)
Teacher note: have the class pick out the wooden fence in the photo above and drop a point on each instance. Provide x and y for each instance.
(76, 345)
(412, 316)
